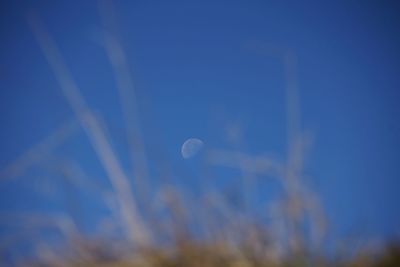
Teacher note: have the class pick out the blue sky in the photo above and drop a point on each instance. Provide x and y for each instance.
(196, 71)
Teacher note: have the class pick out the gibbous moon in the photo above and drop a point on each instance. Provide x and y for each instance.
(191, 147)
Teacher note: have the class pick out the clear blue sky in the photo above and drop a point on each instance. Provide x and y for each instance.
(195, 70)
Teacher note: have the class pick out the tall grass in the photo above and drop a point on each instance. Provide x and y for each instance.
(161, 228)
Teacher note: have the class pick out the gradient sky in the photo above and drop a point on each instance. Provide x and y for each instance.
(196, 71)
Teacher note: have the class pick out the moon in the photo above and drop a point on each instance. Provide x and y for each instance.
(191, 147)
